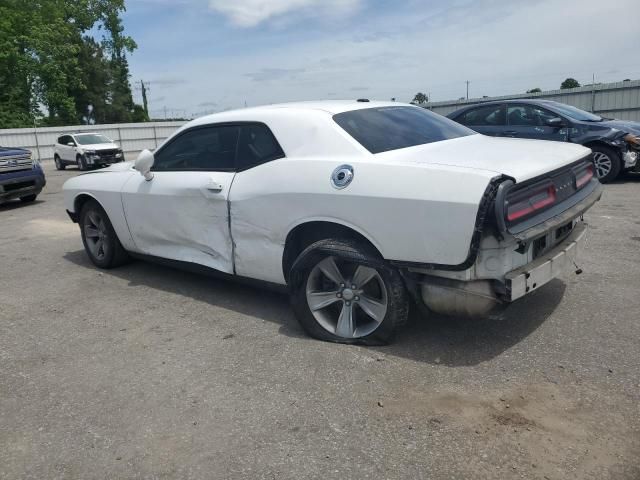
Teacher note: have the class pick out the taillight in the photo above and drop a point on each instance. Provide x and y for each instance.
(584, 176)
(530, 201)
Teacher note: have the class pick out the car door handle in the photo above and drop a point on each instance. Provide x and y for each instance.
(214, 186)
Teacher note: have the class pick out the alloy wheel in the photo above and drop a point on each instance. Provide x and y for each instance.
(603, 164)
(347, 299)
(96, 234)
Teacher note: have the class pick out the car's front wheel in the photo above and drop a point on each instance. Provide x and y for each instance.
(99, 238)
(28, 198)
(81, 163)
(343, 292)
(607, 163)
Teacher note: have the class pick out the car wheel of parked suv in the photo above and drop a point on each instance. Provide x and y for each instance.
(80, 162)
(99, 238)
(58, 162)
(343, 292)
(607, 163)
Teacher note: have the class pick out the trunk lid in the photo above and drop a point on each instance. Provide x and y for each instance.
(520, 159)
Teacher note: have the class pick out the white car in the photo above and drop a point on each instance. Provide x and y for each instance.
(357, 207)
(86, 150)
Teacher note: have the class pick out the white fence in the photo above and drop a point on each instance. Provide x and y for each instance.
(132, 137)
(617, 100)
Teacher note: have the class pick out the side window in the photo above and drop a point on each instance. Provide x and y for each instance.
(210, 148)
(523, 116)
(256, 145)
(487, 116)
(61, 140)
(544, 115)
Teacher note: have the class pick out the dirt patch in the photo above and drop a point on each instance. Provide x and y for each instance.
(52, 228)
(542, 429)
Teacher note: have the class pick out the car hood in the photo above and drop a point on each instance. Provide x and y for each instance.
(100, 146)
(626, 126)
(115, 167)
(518, 158)
(10, 152)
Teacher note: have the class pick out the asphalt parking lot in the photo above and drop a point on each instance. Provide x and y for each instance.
(150, 372)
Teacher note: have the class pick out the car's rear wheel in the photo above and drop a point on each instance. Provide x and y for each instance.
(58, 162)
(99, 238)
(343, 292)
(81, 163)
(607, 163)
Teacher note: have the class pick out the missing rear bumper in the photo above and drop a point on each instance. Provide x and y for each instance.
(545, 268)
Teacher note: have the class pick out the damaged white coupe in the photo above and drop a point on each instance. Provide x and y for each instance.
(357, 207)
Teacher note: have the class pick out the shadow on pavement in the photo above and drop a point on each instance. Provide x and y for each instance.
(436, 340)
(16, 203)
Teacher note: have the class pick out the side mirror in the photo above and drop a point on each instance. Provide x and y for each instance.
(143, 164)
(71, 144)
(556, 122)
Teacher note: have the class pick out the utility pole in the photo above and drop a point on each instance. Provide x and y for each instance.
(593, 93)
(468, 89)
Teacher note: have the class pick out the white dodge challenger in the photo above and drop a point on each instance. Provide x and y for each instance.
(358, 207)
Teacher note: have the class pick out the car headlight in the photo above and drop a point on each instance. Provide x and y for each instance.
(119, 154)
(632, 139)
(35, 163)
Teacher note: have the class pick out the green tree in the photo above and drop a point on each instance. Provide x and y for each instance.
(420, 99)
(569, 83)
(534, 90)
(51, 67)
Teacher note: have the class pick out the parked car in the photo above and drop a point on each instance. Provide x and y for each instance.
(615, 143)
(20, 176)
(86, 150)
(352, 205)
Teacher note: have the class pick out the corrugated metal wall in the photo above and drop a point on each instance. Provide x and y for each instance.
(132, 137)
(616, 100)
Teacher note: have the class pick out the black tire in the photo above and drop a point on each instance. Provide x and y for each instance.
(114, 253)
(356, 254)
(28, 198)
(82, 166)
(614, 157)
(59, 163)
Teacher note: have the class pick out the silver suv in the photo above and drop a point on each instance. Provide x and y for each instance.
(86, 150)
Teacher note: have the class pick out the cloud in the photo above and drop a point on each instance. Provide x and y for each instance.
(269, 74)
(431, 50)
(249, 13)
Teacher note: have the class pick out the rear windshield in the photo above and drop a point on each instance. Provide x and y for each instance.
(390, 128)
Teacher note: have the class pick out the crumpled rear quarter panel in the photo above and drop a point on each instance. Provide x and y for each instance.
(409, 212)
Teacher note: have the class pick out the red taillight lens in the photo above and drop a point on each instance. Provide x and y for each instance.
(534, 201)
(584, 176)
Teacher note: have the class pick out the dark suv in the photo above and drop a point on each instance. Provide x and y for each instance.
(615, 143)
(20, 176)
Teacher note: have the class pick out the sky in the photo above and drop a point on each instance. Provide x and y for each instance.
(203, 56)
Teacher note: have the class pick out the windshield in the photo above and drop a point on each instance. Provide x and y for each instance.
(575, 113)
(390, 128)
(91, 139)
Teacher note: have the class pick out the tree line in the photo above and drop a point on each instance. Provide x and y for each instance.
(59, 57)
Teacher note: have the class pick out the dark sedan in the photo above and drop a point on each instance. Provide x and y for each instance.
(615, 143)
